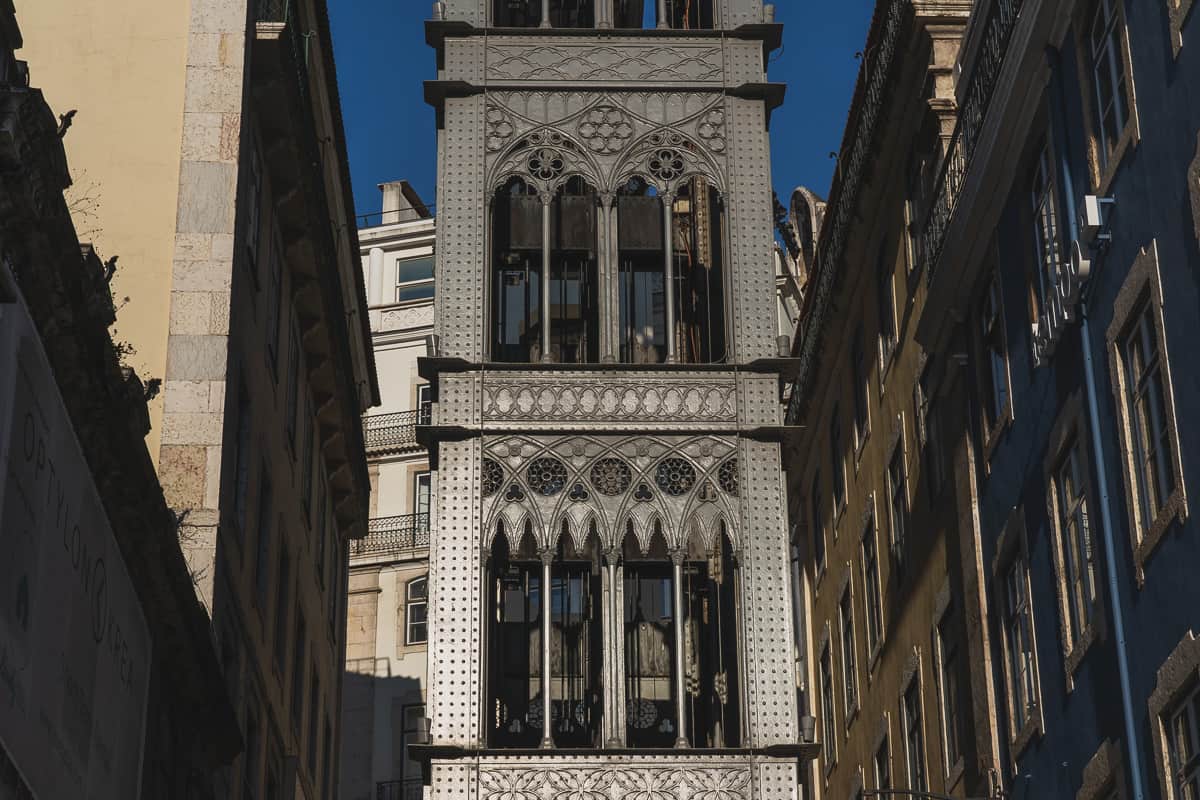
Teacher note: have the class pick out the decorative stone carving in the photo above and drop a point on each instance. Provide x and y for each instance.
(642, 401)
(605, 129)
(499, 128)
(587, 61)
(616, 780)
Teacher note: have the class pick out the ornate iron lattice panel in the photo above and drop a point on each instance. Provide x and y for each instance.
(727, 476)
(611, 476)
(675, 476)
(547, 476)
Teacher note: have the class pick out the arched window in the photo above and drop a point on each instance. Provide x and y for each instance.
(515, 709)
(684, 320)
(525, 234)
(710, 645)
(416, 611)
(651, 718)
(575, 643)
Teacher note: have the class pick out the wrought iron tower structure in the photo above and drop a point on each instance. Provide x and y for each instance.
(611, 606)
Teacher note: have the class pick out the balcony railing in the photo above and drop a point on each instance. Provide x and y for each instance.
(993, 47)
(272, 10)
(385, 433)
(393, 535)
(859, 147)
(399, 790)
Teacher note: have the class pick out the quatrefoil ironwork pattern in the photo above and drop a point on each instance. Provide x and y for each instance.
(666, 164)
(546, 164)
(491, 478)
(727, 476)
(547, 476)
(605, 129)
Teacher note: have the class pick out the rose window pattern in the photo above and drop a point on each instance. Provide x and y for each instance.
(611, 476)
(547, 476)
(675, 476)
(546, 164)
(727, 476)
(491, 478)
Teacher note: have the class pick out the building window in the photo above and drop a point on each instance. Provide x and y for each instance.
(1148, 429)
(324, 531)
(282, 601)
(949, 665)
(887, 312)
(416, 597)
(337, 572)
(241, 479)
(818, 524)
(1183, 730)
(1045, 231)
(422, 496)
(528, 14)
(883, 763)
(1075, 549)
(1146, 401)
(897, 484)
(914, 737)
(993, 359)
(871, 587)
(262, 556)
(928, 434)
(412, 722)
(839, 473)
(1111, 95)
(424, 404)
(1020, 663)
(252, 756)
(298, 657)
(254, 213)
(327, 759)
(849, 661)
(414, 279)
(861, 388)
(828, 724)
(1174, 706)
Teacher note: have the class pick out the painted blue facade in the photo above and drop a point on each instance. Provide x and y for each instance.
(1154, 208)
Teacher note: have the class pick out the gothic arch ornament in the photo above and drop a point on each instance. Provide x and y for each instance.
(577, 482)
(665, 159)
(545, 159)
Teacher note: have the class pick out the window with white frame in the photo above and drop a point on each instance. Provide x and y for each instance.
(414, 279)
(1109, 86)
(1183, 740)
(416, 599)
(1020, 663)
(1045, 231)
(424, 403)
(993, 355)
(1076, 552)
(897, 482)
(828, 725)
(849, 660)
(422, 488)
(928, 434)
(871, 588)
(883, 764)
(817, 530)
(835, 453)
(914, 737)
(949, 664)
(862, 423)
(1146, 397)
(887, 312)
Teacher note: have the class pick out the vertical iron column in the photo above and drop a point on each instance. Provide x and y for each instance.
(669, 273)
(547, 731)
(680, 708)
(547, 199)
(662, 14)
(546, 14)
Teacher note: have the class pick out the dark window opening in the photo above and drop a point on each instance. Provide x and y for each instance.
(574, 306)
(528, 13)
(710, 646)
(575, 647)
(640, 274)
(515, 710)
(691, 15)
(517, 273)
(650, 718)
(699, 289)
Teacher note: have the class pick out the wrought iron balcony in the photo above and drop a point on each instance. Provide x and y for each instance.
(394, 433)
(393, 535)
(398, 790)
(981, 83)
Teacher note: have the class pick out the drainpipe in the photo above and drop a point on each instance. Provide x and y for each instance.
(1106, 532)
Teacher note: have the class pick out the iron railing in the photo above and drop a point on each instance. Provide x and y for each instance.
(854, 161)
(981, 83)
(392, 535)
(391, 432)
(272, 10)
(399, 790)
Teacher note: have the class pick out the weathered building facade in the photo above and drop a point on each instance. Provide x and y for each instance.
(112, 683)
(609, 557)
(387, 631)
(1054, 244)
(216, 126)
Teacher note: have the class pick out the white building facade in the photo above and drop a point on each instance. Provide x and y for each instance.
(387, 630)
(609, 568)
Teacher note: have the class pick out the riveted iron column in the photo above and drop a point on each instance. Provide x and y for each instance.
(546, 14)
(547, 733)
(680, 708)
(547, 199)
(669, 273)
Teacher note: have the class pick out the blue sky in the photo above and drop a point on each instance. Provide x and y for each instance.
(382, 60)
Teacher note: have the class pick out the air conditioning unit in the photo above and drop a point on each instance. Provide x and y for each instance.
(1093, 220)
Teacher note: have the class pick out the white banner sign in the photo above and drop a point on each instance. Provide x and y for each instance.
(74, 645)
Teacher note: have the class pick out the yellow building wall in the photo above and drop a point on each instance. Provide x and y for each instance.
(121, 65)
